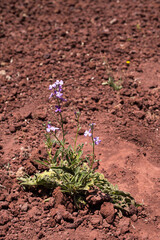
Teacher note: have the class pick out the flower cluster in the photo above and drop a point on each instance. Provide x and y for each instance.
(89, 133)
(56, 84)
(57, 92)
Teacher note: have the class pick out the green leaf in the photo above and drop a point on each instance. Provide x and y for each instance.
(42, 162)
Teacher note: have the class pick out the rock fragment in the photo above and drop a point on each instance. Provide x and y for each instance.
(107, 211)
(124, 225)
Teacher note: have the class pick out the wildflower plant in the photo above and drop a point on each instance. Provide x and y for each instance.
(67, 167)
(95, 141)
(112, 84)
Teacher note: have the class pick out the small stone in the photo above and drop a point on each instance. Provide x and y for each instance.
(20, 172)
(58, 195)
(96, 220)
(94, 200)
(70, 207)
(49, 204)
(2, 64)
(53, 212)
(124, 225)
(5, 217)
(105, 224)
(139, 209)
(58, 217)
(92, 65)
(12, 129)
(113, 21)
(96, 197)
(133, 210)
(25, 207)
(52, 223)
(134, 218)
(67, 216)
(2, 72)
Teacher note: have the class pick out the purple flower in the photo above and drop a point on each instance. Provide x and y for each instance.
(58, 109)
(96, 140)
(50, 87)
(64, 100)
(60, 88)
(51, 128)
(59, 83)
(57, 86)
(88, 133)
(54, 85)
(48, 129)
(59, 94)
(51, 95)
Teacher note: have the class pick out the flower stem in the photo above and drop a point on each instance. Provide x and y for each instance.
(59, 141)
(61, 123)
(75, 142)
(93, 144)
(62, 127)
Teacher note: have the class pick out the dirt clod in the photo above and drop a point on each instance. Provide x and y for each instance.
(107, 211)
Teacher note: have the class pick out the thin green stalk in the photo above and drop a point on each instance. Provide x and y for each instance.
(61, 123)
(59, 141)
(75, 142)
(49, 153)
(62, 127)
(93, 144)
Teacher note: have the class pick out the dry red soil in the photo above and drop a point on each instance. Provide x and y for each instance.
(82, 42)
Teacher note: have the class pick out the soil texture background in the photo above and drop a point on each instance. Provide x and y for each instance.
(82, 42)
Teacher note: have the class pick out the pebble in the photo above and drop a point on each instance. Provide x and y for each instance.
(12, 129)
(5, 217)
(2, 72)
(124, 225)
(134, 218)
(96, 220)
(25, 207)
(113, 21)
